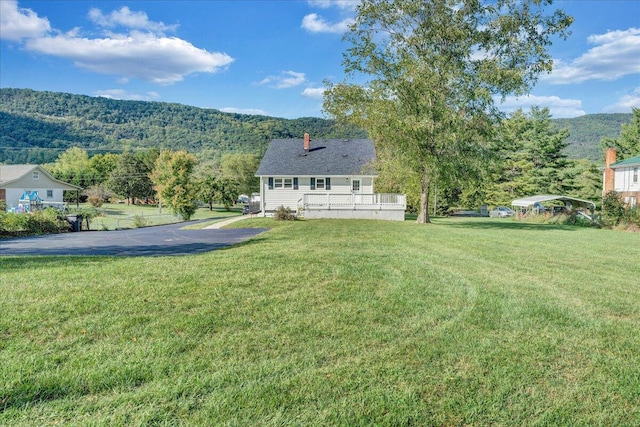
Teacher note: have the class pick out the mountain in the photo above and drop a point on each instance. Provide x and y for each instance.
(586, 133)
(35, 127)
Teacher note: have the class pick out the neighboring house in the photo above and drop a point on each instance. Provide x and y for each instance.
(21, 184)
(623, 177)
(325, 178)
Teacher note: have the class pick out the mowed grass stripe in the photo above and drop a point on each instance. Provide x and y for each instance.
(332, 323)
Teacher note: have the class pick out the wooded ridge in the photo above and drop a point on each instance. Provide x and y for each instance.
(36, 126)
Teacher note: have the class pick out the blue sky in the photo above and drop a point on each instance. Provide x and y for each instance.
(271, 57)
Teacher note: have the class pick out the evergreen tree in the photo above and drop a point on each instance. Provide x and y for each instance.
(628, 145)
(531, 158)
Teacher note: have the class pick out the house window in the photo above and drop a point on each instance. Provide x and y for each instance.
(36, 175)
(49, 194)
(635, 175)
(320, 184)
(283, 183)
(355, 186)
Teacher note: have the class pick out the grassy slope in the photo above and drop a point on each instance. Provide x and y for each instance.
(465, 322)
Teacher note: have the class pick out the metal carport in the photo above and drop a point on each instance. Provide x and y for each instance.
(569, 202)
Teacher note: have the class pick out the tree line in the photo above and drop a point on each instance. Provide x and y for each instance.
(525, 156)
(174, 178)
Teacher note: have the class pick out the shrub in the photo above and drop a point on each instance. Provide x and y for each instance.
(632, 216)
(139, 221)
(284, 214)
(612, 208)
(13, 223)
(46, 221)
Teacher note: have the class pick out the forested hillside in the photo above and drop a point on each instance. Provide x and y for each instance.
(35, 127)
(586, 133)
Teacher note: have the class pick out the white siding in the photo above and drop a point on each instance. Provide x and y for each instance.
(13, 195)
(43, 184)
(272, 199)
(624, 180)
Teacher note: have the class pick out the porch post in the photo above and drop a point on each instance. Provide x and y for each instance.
(262, 201)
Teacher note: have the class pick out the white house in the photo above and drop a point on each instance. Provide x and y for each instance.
(18, 180)
(325, 178)
(623, 177)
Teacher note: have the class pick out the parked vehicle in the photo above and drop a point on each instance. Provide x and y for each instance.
(501, 212)
(251, 208)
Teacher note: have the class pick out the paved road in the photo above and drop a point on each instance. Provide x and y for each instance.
(148, 241)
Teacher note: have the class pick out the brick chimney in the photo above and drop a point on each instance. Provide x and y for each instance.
(307, 142)
(609, 174)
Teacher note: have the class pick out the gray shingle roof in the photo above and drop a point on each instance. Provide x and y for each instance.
(333, 157)
(10, 173)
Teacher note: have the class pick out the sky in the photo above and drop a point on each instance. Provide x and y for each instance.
(271, 57)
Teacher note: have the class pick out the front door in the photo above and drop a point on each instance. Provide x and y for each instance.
(356, 190)
(356, 186)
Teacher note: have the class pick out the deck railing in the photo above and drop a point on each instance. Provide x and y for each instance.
(379, 201)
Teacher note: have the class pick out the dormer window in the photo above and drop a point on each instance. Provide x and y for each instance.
(36, 175)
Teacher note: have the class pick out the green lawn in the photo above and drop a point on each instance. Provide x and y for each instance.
(352, 323)
(114, 216)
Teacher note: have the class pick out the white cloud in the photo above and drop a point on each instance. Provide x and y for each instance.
(252, 111)
(17, 24)
(285, 80)
(163, 60)
(625, 103)
(341, 4)
(313, 92)
(616, 54)
(126, 18)
(141, 53)
(316, 24)
(558, 107)
(123, 94)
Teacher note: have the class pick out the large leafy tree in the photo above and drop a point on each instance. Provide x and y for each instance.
(130, 178)
(628, 145)
(422, 76)
(73, 166)
(174, 181)
(214, 187)
(102, 165)
(241, 168)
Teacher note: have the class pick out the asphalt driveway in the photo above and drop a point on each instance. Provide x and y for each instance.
(148, 241)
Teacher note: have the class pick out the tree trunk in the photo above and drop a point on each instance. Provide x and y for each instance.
(423, 217)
